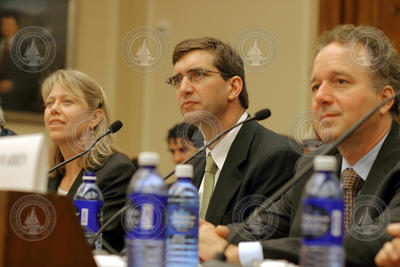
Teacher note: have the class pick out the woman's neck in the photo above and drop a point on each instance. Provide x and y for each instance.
(72, 169)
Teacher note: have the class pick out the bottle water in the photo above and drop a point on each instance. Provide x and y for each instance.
(146, 215)
(183, 220)
(323, 221)
(88, 200)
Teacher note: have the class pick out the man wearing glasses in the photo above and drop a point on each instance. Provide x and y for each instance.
(250, 162)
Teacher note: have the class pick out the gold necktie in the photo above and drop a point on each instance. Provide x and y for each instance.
(210, 170)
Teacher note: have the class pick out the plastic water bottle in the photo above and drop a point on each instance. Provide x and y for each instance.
(183, 220)
(146, 215)
(88, 200)
(323, 220)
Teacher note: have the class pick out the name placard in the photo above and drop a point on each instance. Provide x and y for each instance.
(23, 163)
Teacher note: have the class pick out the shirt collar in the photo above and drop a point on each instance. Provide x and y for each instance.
(364, 165)
(220, 151)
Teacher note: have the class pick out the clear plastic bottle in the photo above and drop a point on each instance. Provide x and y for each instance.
(146, 215)
(183, 220)
(88, 200)
(322, 220)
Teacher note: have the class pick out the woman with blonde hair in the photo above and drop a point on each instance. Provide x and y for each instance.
(75, 115)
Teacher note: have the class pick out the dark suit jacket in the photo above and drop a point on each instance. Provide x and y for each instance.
(258, 163)
(382, 182)
(113, 179)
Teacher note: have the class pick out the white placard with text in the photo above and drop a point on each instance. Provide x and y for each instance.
(23, 163)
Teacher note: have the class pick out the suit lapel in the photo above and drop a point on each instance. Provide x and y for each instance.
(199, 165)
(75, 185)
(384, 162)
(230, 177)
(380, 175)
(54, 183)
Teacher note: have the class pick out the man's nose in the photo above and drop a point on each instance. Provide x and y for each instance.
(324, 94)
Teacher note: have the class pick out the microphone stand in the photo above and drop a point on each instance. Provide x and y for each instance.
(80, 154)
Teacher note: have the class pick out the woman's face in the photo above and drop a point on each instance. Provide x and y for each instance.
(64, 117)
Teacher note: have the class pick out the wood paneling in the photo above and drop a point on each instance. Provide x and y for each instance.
(384, 15)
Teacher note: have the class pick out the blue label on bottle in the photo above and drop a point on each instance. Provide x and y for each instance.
(90, 214)
(183, 220)
(322, 221)
(146, 216)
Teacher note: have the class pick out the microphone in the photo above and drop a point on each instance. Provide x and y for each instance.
(259, 115)
(113, 128)
(308, 167)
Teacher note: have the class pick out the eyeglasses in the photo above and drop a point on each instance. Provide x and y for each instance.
(194, 75)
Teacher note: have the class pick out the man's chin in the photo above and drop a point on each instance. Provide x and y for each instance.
(327, 135)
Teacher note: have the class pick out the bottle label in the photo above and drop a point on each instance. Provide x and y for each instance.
(146, 216)
(90, 214)
(183, 219)
(322, 221)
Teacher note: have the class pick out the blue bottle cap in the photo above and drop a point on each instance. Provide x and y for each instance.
(89, 176)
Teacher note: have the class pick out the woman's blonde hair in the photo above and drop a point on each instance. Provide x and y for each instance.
(77, 84)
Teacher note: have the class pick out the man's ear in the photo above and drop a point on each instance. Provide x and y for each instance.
(235, 89)
(385, 93)
(98, 116)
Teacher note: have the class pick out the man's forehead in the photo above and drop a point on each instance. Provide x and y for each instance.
(194, 59)
(176, 141)
(8, 19)
(333, 59)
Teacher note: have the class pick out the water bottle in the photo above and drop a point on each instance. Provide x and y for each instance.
(183, 220)
(323, 217)
(88, 201)
(146, 215)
